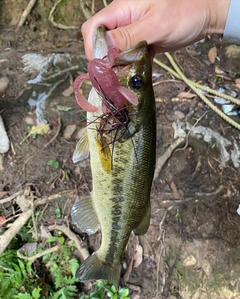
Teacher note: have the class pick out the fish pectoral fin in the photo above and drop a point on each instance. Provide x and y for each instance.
(144, 224)
(84, 216)
(82, 149)
(105, 155)
(94, 268)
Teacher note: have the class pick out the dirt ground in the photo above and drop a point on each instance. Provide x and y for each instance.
(191, 249)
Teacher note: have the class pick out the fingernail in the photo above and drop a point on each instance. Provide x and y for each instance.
(109, 39)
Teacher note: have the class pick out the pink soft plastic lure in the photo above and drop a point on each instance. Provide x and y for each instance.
(103, 78)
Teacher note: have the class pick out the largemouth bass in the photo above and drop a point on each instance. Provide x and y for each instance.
(121, 139)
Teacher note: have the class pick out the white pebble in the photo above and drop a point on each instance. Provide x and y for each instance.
(4, 81)
(4, 141)
(238, 210)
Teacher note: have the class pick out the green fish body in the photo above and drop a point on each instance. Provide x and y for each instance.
(122, 155)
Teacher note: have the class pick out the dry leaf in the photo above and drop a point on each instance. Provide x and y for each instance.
(2, 193)
(22, 202)
(2, 221)
(237, 82)
(40, 129)
(177, 194)
(232, 51)
(186, 95)
(218, 70)
(45, 234)
(68, 91)
(138, 256)
(128, 272)
(212, 54)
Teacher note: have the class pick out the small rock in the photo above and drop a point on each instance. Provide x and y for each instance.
(68, 132)
(4, 82)
(207, 268)
(238, 210)
(79, 134)
(30, 121)
(190, 261)
(4, 141)
(232, 51)
(179, 114)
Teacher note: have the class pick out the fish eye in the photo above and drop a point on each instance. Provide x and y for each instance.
(136, 82)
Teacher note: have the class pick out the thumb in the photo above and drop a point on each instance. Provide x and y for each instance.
(127, 36)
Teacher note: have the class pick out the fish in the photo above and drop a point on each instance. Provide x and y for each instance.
(121, 140)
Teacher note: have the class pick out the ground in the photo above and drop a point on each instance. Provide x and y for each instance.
(191, 249)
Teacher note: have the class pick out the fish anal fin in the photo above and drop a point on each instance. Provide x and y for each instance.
(84, 216)
(82, 149)
(144, 224)
(94, 268)
(128, 94)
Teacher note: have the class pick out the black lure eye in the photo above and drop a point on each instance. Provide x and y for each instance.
(136, 82)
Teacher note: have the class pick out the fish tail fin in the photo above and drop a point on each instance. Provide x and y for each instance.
(94, 268)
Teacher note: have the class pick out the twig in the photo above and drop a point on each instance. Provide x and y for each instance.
(44, 200)
(11, 197)
(85, 12)
(26, 13)
(198, 196)
(163, 159)
(38, 255)
(105, 3)
(83, 251)
(58, 130)
(51, 19)
(190, 131)
(6, 238)
(160, 248)
(197, 87)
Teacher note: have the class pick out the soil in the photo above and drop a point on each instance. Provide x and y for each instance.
(191, 249)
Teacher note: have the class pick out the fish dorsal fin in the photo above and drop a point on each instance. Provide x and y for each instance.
(82, 149)
(144, 224)
(84, 216)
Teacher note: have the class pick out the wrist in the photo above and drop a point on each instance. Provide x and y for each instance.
(218, 15)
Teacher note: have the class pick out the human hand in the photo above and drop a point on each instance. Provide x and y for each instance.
(167, 25)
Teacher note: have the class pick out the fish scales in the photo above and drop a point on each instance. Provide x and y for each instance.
(120, 200)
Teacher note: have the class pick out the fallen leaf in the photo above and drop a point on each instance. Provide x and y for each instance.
(186, 95)
(68, 91)
(232, 51)
(212, 54)
(64, 108)
(218, 70)
(177, 194)
(45, 234)
(22, 202)
(40, 129)
(138, 256)
(237, 82)
(2, 221)
(128, 272)
(2, 193)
